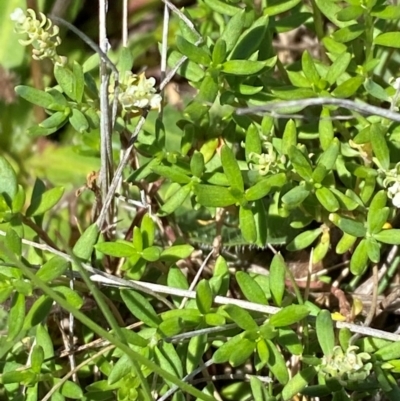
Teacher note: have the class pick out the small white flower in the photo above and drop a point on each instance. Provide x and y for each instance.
(18, 16)
(138, 92)
(396, 83)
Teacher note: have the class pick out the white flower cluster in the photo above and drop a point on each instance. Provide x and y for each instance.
(265, 162)
(348, 366)
(392, 183)
(137, 92)
(42, 35)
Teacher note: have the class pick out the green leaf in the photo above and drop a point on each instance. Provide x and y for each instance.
(34, 96)
(55, 120)
(289, 339)
(16, 316)
(391, 236)
(264, 186)
(73, 298)
(197, 164)
(289, 315)
(140, 307)
(13, 242)
(193, 52)
(176, 200)
(241, 317)
(258, 389)
(345, 243)
(79, 81)
(379, 145)
(213, 196)
(251, 40)
(38, 312)
(71, 390)
(388, 352)
(242, 352)
(52, 269)
(325, 332)
(37, 357)
(277, 274)
(176, 252)
(303, 240)
(196, 348)
(295, 196)
(245, 67)
(374, 250)
(345, 201)
(222, 7)
(308, 68)
(348, 33)
(79, 121)
(377, 213)
(151, 254)
(350, 13)
(208, 90)
(338, 68)
(222, 354)
(277, 364)
(188, 69)
(300, 163)
(44, 201)
(352, 227)
(8, 184)
(83, 248)
(247, 224)
(253, 142)
(118, 249)
(289, 137)
(219, 51)
(389, 39)
(250, 288)
(359, 259)
(66, 79)
(231, 168)
(327, 199)
(348, 88)
(173, 174)
(125, 61)
(148, 230)
(376, 90)
(328, 159)
(278, 7)
(386, 12)
(233, 30)
(121, 368)
(298, 383)
(204, 296)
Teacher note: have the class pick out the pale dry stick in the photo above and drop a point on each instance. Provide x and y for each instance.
(124, 23)
(196, 278)
(164, 49)
(106, 161)
(188, 377)
(68, 342)
(182, 16)
(75, 371)
(362, 108)
(124, 44)
(367, 286)
(156, 289)
(119, 171)
(112, 280)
